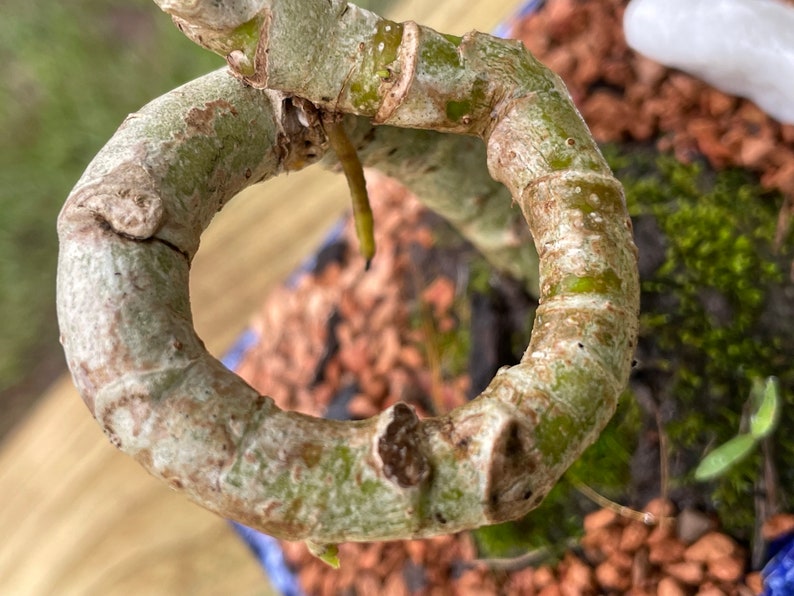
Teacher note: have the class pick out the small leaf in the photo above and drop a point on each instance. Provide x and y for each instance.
(767, 398)
(723, 457)
(327, 553)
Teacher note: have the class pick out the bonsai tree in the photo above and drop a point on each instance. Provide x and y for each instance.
(303, 76)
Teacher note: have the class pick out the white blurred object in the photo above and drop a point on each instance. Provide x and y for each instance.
(742, 47)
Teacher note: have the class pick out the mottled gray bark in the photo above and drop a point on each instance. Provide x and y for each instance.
(132, 225)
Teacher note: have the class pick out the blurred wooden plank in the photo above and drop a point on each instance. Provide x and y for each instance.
(454, 16)
(255, 242)
(78, 517)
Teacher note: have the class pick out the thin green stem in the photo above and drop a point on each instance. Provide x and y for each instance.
(354, 172)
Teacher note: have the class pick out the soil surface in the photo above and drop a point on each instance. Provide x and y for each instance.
(343, 343)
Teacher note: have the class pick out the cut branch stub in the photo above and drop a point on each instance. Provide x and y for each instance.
(132, 225)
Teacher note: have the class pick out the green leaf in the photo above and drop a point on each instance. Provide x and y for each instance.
(327, 553)
(723, 457)
(766, 398)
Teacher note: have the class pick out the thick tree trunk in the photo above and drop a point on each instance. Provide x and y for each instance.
(132, 225)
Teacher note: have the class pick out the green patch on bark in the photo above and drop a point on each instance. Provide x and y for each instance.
(458, 109)
(438, 53)
(606, 283)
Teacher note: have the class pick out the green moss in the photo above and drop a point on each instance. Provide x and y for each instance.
(560, 161)
(244, 38)
(365, 96)
(437, 53)
(454, 39)
(454, 495)
(380, 52)
(387, 39)
(606, 283)
(704, 307)
(458, 109)
(553, 435)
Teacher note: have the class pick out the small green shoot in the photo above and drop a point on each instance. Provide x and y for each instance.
(327, 553)
(354, 172)
(765, 400)
(767, 408)
(725, 456)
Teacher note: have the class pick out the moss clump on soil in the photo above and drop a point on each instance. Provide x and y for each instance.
(711, 315)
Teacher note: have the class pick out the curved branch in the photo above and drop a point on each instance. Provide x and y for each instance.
(132, 224)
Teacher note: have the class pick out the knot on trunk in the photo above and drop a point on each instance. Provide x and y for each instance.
(399, 446)
(127, 200)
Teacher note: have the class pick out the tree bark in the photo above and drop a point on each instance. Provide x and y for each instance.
(132, 224)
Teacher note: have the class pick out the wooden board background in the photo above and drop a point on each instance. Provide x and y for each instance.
(78, 517)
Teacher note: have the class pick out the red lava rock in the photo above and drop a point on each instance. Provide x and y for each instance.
(641, 569)
(782, 177)
(670, 587)
(411, 357)
(609, 539)
(394, 586)
(374, 385)
(659, 508)
(755, 582)
(710, 547)
(787, 132)
(777, 526)
(710, 590)
(660, 533)
(389, 351)
(392, 559)
(686, 572)
(577, 577)
(551, 590)
(311, 578)
(726, 568)
(599, 519)
(416, 550)
(611, 577)
(361, 406)
(717, 104)
(473, 582)
(636, 591)
(669, 550)
(634, 536)
(584, 44)
(622, 561)
(755, 151)
(367, 582)
(544, 576)
(369, 555)
(522, 582)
